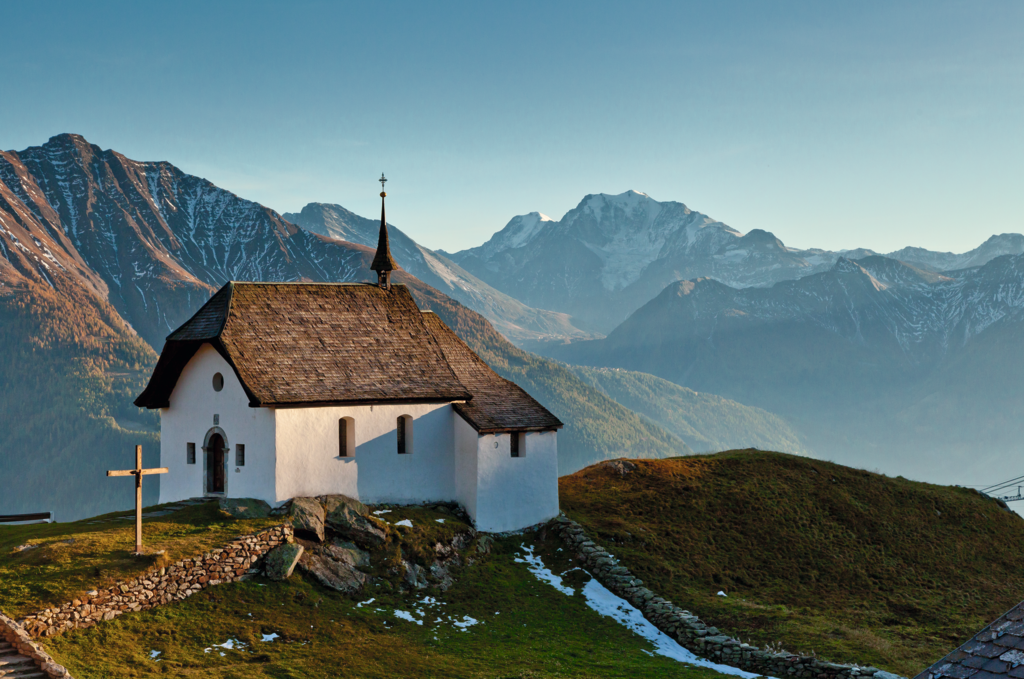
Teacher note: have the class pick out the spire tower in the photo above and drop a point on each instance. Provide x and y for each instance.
(383, 262)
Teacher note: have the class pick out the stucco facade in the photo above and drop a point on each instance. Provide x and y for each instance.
(296, 451)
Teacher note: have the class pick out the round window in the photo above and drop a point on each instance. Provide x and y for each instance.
(218, 382)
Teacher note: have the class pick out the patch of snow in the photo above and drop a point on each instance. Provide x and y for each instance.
(542, 572)
(607, 604)
(381, 511)
(601, 600)
(466, 623)
(721, 593)
(405, 615)
(405, 522)
(439, 520)
(230, 645)
(270, 637)
(153, 655)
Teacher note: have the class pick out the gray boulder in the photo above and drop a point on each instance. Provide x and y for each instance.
(347, 552)
(332, 573)
(332, 502)
(280, 561)
(415, 575)
(308, 518)
(245, 508)
(346, 521)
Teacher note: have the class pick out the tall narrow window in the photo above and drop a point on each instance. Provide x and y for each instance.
(239, 454)
(190, 453)
(346, 437)
(514, 443)
(404, 434)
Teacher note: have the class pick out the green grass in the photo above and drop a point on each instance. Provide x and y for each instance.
(68, 559)
(526, 628)
(814, 556)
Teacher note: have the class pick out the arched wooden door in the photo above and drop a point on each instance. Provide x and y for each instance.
(215, 452)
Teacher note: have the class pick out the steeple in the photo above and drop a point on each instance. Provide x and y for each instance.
(383, 262)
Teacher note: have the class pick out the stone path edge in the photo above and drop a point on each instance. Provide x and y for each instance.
(17, 637)
(233, 562)
(687, 629)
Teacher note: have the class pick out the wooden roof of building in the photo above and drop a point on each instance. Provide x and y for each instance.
(309, 344)
(497, 404)
(996, 652)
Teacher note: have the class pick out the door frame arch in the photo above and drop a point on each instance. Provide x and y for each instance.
(206, 461)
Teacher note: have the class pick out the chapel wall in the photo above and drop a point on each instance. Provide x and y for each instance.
(193, 404)
(308, 461)
(466, 441)
(516, 492)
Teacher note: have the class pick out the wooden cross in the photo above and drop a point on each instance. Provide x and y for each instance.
(138, 473)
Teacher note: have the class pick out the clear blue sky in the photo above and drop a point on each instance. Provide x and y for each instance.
(830, 124)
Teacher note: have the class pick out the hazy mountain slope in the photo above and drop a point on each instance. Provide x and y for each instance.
(611, 254)
(69, 372)
(1002, 244)
(596, 427)
(707, 423)
(857, 365)
(511, 317)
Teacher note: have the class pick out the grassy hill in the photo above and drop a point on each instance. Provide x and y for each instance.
(497, 620)
(70, 368)
(813, 556)
(705, 422)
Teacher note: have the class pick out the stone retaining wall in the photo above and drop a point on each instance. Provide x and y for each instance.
(235, 561)
(12, 633)
(688, 630)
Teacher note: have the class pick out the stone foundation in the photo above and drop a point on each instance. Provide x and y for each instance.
(688, 630)
(235, 561)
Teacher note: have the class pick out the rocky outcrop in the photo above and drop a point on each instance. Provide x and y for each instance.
(688, 629)
(335, 573)
(352, 520)
(307, 516)
(237, 560)
(21, 657)
(281, 561)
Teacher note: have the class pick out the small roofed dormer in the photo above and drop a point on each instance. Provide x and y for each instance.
(383, 262)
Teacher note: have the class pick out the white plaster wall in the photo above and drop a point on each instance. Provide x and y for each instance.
(465, 465)
(308, 462)
(193, 404)
(516, 492)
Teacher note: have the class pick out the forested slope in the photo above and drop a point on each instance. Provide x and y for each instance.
(70, 368)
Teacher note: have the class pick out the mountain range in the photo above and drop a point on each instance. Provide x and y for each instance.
(878, 362)
(101, 256)
(612, 254)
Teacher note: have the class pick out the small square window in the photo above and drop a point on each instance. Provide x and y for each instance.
(216, 420)
(190, 453)
(239, 454)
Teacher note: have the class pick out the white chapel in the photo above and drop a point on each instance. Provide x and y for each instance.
(282, 390)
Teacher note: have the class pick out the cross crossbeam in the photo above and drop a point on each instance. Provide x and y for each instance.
(138, 473)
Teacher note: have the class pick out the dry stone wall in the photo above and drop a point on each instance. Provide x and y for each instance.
(686, 628)
(235, 561)
(13, 634)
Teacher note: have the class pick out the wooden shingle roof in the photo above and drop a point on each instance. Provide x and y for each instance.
(497, 404)
(997, 652)
(295, 344)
